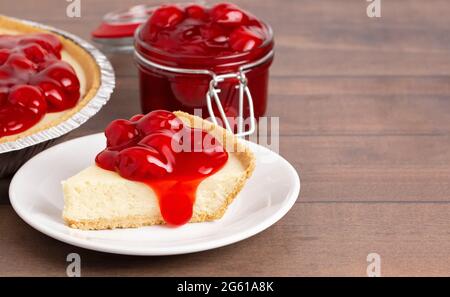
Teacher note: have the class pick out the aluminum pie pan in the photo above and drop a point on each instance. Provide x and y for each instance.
(14, 153)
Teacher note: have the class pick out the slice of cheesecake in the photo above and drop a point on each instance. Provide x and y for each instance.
(98, 199)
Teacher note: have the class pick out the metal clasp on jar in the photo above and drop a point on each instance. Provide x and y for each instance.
(244, 91)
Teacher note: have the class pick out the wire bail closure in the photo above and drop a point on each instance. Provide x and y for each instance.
(213, 91)
(244, 91)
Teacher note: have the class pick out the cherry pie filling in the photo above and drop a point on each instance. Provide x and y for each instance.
(33, 81)
(220, 38)
(195, 30)
(159, 150)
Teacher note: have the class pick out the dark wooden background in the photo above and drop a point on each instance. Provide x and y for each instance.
(364, 107)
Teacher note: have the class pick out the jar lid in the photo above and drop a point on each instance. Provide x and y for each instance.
(116, 31)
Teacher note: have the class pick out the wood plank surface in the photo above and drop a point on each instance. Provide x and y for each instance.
(364, 117)
(313, 239)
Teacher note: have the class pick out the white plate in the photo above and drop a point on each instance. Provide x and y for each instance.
(36, 196)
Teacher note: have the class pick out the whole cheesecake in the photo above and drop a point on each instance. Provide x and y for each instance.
(45, 79)
(141, 179)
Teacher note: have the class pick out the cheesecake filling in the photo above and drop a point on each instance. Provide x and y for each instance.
(169, 157)
(36, 79)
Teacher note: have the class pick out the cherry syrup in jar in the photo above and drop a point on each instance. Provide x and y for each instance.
(220, 40)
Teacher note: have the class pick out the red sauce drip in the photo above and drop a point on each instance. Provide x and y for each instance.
(171, 158)
(195, 30)
(33, 81)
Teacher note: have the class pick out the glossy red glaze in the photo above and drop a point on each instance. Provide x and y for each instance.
(221, 39)
(33, 81)
(171, 158)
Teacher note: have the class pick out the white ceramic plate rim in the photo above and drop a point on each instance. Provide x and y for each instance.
(148, 251)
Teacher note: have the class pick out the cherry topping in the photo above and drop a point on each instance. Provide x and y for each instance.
(245, 39)
(54, 95)
(220, 9)
(107, 159)
(228, 15)
(161, 140)
(176, 207)
(28, 97)
(198, 31)
(141, 163)
(159, 120)
(214, 32)
(120, 132)
(33, 81)
(47, 41)
(64, 75)
(196, 12)
(20, 62)
(167, 16)
(35, 53)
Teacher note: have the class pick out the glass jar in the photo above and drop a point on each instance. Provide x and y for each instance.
(235, 86)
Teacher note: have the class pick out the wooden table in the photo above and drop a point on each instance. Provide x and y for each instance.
(364, 112)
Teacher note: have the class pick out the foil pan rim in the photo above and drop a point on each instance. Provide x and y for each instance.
(107, 84)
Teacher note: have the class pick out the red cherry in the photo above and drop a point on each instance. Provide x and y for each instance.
(212, 32)
(229, 15)
(167, 16)
(35, 53)
(64, 74)
(162, 142)
(139, 163)
(203, 148)
(181, 86)
(120, 132)
(106, 159)
(4, 55)
(219, 9)
(149, 33)
(197, 140)
(20, 62)
(29, 97)
(61, 74)
(136, 118)
(159, 120)
(54, 95)
(196, 12)
(14, 118)
(49, 42)
(245, 39)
